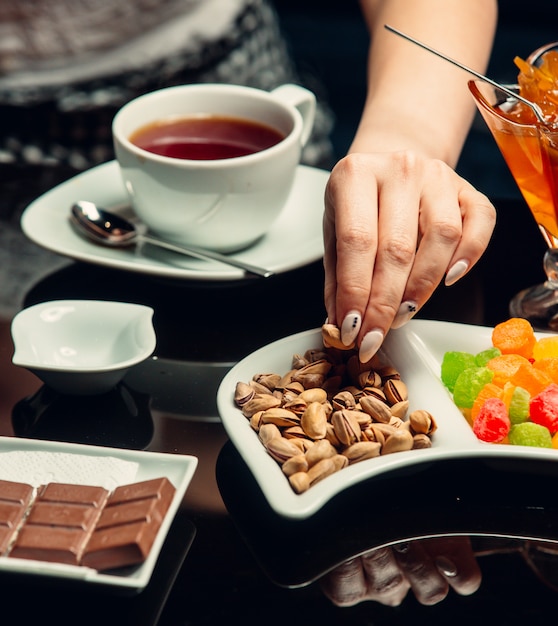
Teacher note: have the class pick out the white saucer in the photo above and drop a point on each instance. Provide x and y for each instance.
(295, 239)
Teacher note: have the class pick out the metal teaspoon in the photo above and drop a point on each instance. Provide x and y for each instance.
(532, 105)
(114, 231)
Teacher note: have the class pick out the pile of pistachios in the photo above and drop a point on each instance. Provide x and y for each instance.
(330, 410)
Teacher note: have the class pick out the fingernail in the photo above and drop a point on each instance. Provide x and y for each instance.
(402, 547)
(445, 566)
(455, 272)
(406, 311)
(350, 327)
(370, 345)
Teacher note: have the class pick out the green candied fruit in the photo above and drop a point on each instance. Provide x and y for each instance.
(519, 406)
(530, 434)
(453, 364)
(468, 385)
(482, 358)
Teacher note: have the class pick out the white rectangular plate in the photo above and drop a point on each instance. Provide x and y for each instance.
(179, 469)
(416, 350)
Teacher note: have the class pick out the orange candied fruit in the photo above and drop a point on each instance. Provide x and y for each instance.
(490, 390)
(505, 366)
(548, 365)
(546, 347)
(514, 336)
(531, 379)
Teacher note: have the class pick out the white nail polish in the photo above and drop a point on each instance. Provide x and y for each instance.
(445, 566)
(350, 327)
(370, 345)
(407, 310)
(455, 272)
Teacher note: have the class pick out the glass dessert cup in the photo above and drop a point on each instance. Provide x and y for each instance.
(531, 154)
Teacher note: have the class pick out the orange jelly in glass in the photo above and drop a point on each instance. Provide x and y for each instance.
(529, 149)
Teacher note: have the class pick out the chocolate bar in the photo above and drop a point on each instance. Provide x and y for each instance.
(129, 524)
(60, 523)
(14, 501)
(83, 524)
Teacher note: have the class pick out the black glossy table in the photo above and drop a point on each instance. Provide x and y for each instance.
(228, 558)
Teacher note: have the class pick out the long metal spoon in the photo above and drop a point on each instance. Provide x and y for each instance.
(114, 231)
(534, 107)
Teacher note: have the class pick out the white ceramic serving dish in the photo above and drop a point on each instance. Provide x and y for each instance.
(178, 468)
(82, 346)
(416, 350)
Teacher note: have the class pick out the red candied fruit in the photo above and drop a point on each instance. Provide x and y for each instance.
(492, 423)
(543, 408)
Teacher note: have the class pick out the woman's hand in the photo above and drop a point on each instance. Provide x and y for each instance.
(395, 225)
(430, 567)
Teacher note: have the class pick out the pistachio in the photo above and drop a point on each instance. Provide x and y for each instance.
(331, 336)
(395, 390)
(300, 482)
(340, 461)
(260, 402)
(422, 422)
(369, 378)
(267, 380)
(331, 436)
(294, 432)
(259, 388)
(399, 441)
(297, 404)
(421, 441)
(399, 409)
(267, 432)
(322, 469)
(378, 410)
(281, 449)
(313, 374)
(362, 450)
(346, 426)
(298, 361)
(343, 400)
(314, 421)
(315, 394)
(242, 393)
(256, 420)
(374, 392)
(297, 463)
(388, 372)
(321, 449)
(280, 417)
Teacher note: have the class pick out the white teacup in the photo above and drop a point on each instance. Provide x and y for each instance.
(224, 204)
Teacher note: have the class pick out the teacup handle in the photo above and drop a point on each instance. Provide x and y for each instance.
(304, 101)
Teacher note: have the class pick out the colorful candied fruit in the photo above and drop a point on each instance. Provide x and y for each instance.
(453, 364)
(505, 366)
(543, 408)
(546, 347)
(492, 424)
(468, 385)
(490, 390)
(531, 379)
(548, 365)
(514, 336)
(530, 434)
(518, 409)
(510, 394)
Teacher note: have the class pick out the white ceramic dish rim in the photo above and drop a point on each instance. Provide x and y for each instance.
(45, 222)
(178, 468)
(24, 317)
(416, 350)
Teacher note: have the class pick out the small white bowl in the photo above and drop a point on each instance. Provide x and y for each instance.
(82, 346)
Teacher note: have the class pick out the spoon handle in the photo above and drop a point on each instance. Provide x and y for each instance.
(202, 253)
